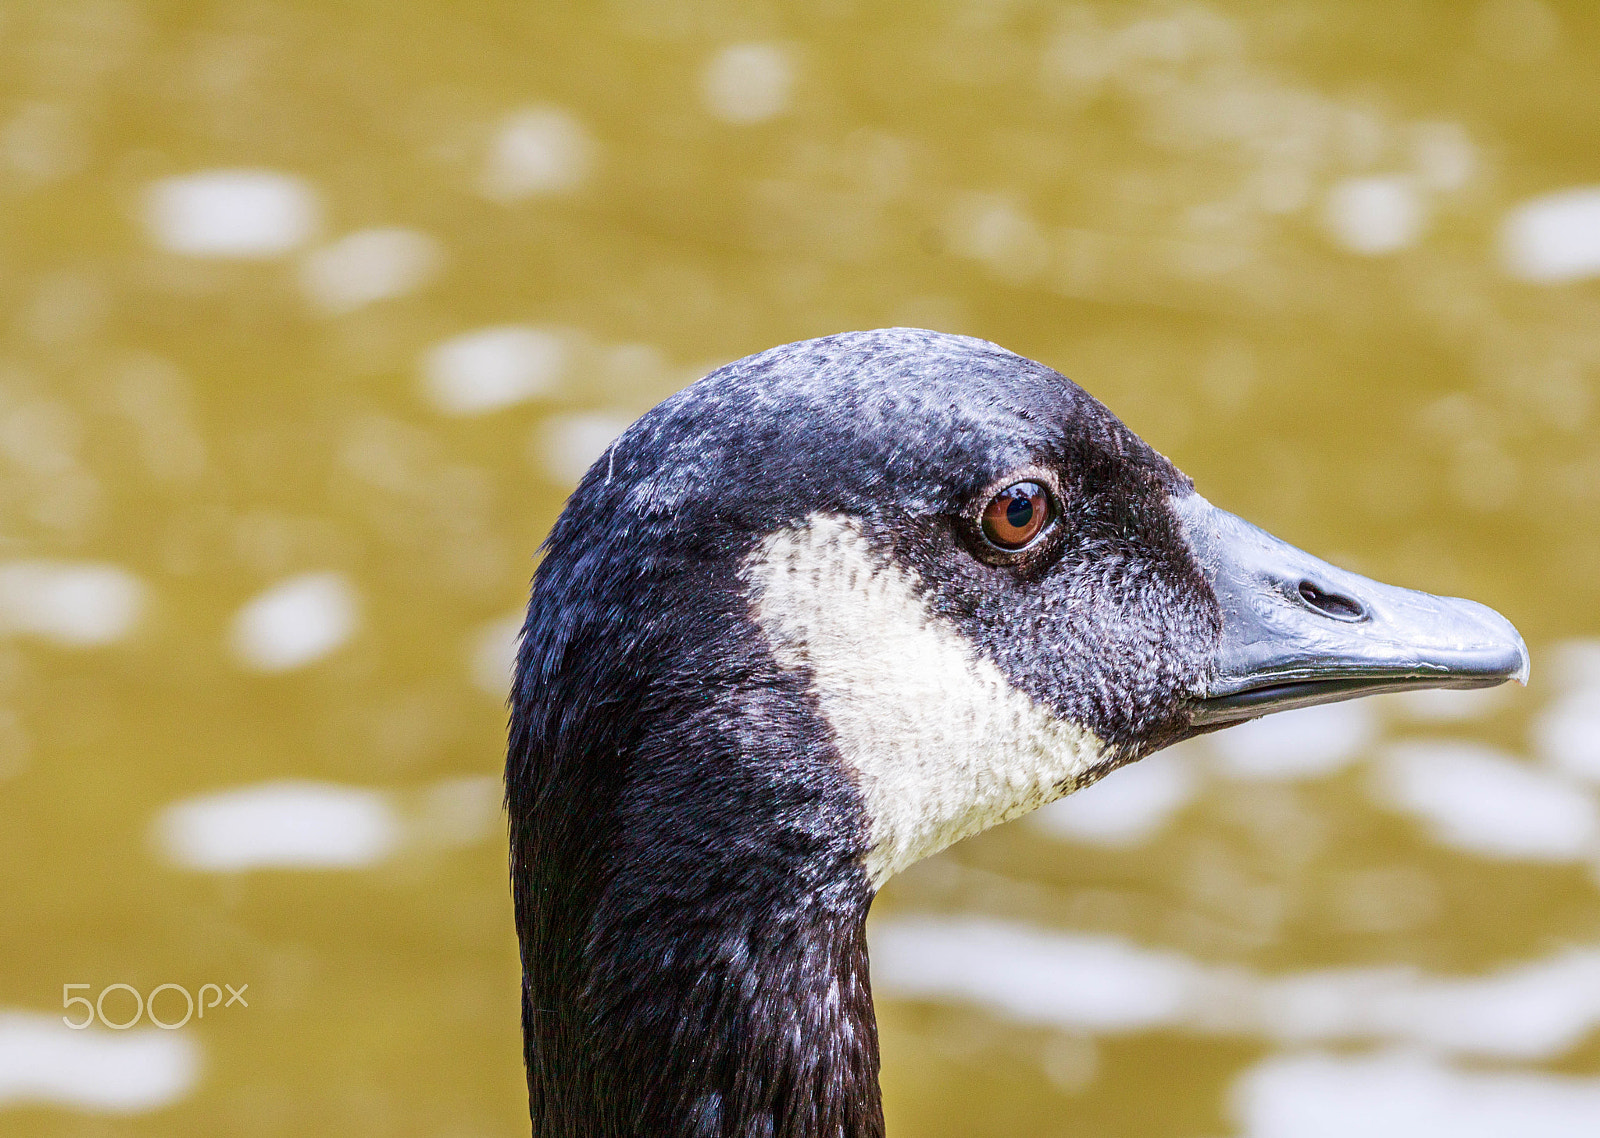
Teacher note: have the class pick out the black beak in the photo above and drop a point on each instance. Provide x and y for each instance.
(1297, 631)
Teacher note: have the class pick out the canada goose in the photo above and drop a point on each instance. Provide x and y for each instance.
(822, 613)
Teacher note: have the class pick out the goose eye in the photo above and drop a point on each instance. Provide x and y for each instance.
(1017, 515)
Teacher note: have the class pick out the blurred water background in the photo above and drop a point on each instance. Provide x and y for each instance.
(311, 314)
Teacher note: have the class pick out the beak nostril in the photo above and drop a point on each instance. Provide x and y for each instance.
(1330, 604)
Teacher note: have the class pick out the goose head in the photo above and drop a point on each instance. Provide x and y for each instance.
(821, 614)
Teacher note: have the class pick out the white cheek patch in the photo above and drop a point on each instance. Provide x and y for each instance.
(941, 744)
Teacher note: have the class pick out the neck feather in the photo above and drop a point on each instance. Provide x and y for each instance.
(687, 868)
(764, 1031)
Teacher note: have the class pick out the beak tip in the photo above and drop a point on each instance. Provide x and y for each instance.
(1506, 633)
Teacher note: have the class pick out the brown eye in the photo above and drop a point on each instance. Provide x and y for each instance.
(1017, 515)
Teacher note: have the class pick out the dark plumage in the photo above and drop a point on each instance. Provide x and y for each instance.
(689, 834)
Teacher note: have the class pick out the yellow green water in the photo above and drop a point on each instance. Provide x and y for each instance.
(1281, 240)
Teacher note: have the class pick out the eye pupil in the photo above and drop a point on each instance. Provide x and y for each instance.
(1017, 515)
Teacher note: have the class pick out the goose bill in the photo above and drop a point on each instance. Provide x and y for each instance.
(1297, 631)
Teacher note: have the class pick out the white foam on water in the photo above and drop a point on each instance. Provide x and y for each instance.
(1059, 979)
(748, 82)
(493, 368)
(296, 622)
(44, 1062)
(462, 811)
(537, 150)
(288, 825)
(1404, 1094)
(632, 367)
(1554, 239)
(231, 213)
(42, 436)
(1307, 743)
(1445, 705)
(77, 605)
(1375, 216)
(1128, 806)
(1534, 1010)
(999, 232)
(368, 266)
(1575, 664)
(492, 653)
(44, 141)
(1566, 734)
(565, 446)
(1443, 155)
(1476, 798)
